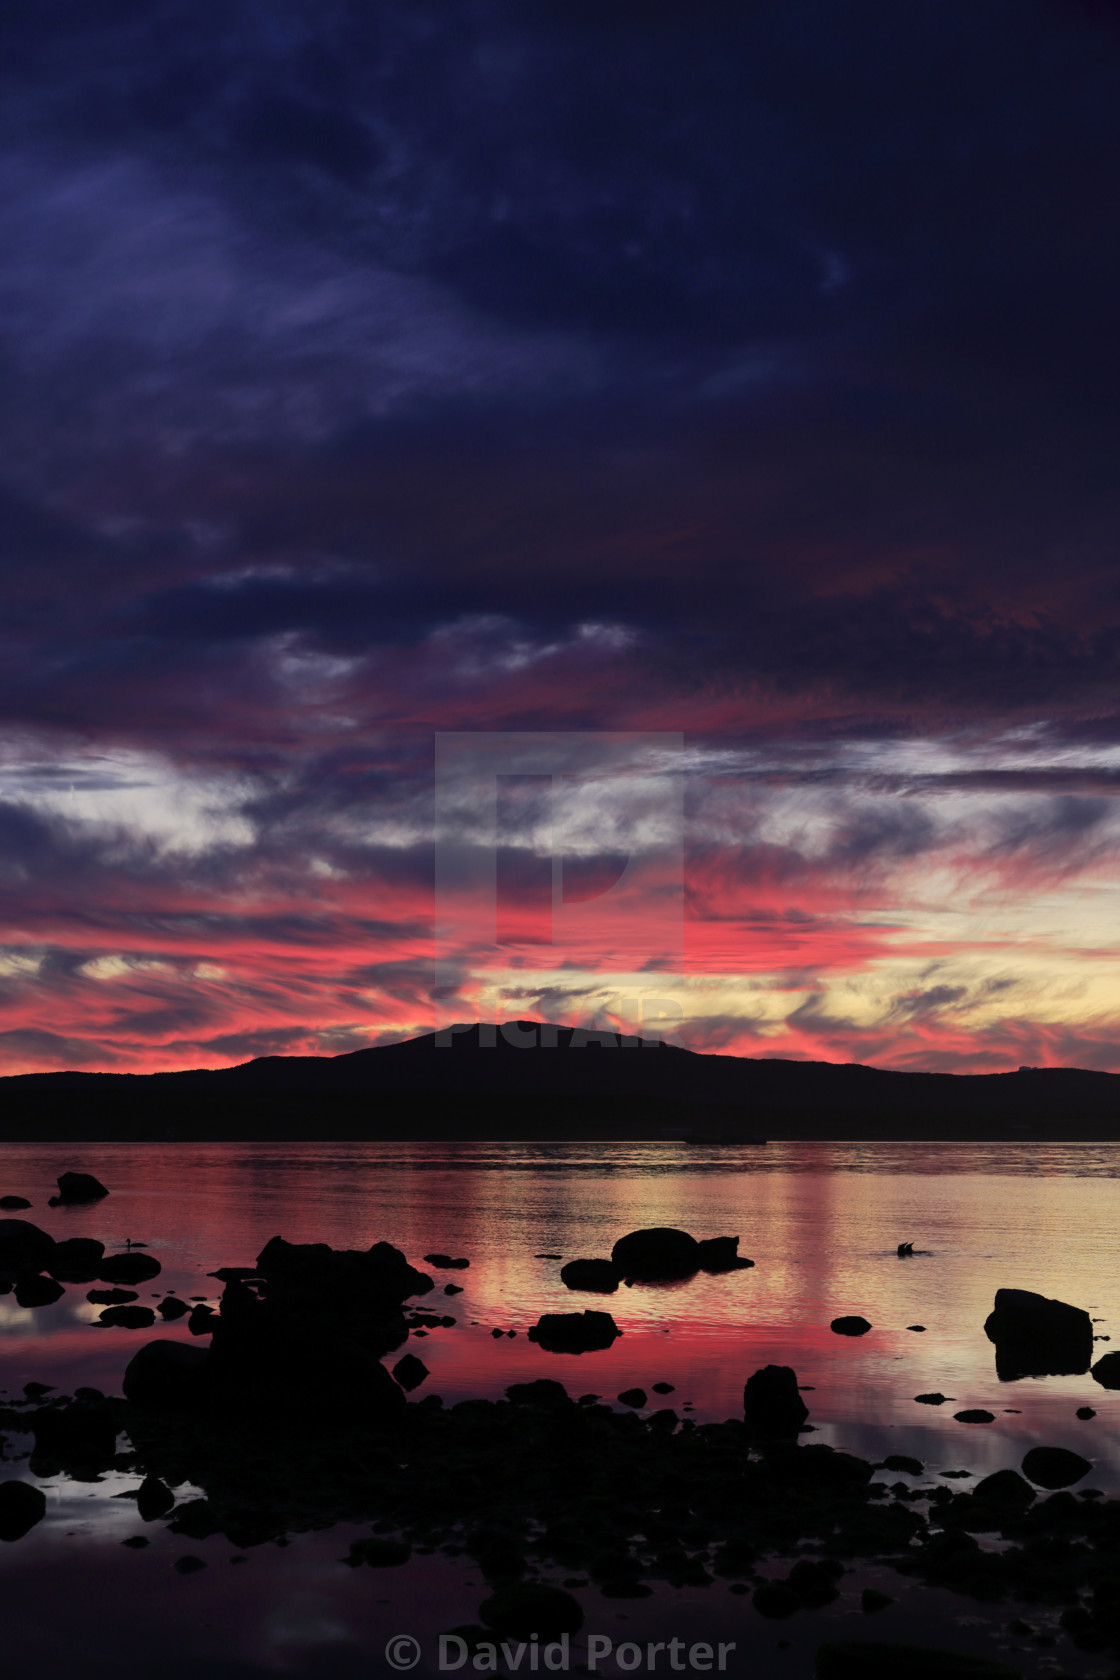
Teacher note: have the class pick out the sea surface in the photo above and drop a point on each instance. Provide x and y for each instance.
(822, 1222)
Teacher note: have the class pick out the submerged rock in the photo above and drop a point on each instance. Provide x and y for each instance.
(21, 1507)
(599, 1276)
(1055, 1467)
(77, 1187)
(14, 1202)
(1035, 1336)
(583, 1332)
(657, 1253)
(772, 1404)
(851, 1326)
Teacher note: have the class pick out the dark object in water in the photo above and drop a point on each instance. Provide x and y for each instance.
(128, 1268)
(452, 1289)
(378, 1553)
(1085, 1413)
(1005, 1488)
(77, 1260)
(110, 1297)
(584, 1332)
(444, 1262)
(75, 1188)
(171, 1308)
(935, 1399)
(531, 1607)
(1037, 1337)
(14, 1202)
(21, 1507)
(772, 1404)
(33, 1290)
(1107, 1371)
(410, 1372)
(167, 1376)
(542, 1391)
(864, 1659)
(153, 1499)
(721, 1254)
(202, 1319)
(548, 1257)
(663, 1388)
(24, 1244)
(905, 1250)
(1055, 1467)
(851, 1326)
(918, 1327)
(975, 1414)
(871, 1600)
(128, 1318)
(635, 1397)
(656, 1253)
(902, 1461)
(598, 1276)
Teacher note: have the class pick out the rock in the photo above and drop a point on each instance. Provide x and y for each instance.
(21, 1507)
(721, 1254)
(1036, 1337)
(543, 1391)
(862, 1659)
(583, 1332)
(83, 1434)
(664, 1388)
(128, 1318)
(444, 1262)
(410, 1372)
(1085, 1413)
(77, 1260)
(452, 1289)
(814, 1582)
(872, 1600)
(601, 1276)
(36, 1390)
(172, 1308)
(167, 1376)
(76, 1187)
(975, 1415)
(775, 1599)
(378, 1553)
(201, 1321)
(529, 1608)
(934, 1399)
(24, 1244)
(901, 1461)
(14, 1202)
(35, 1291)
(153, 1499)
(1055, 1467)
(635, 1397)
(1005, 1488)
(920, 1328)
(772, 1404)
(188, 1565)
(658, 1252)
(852, 1326)
(110, 1297)
(128, 1268)
(1107, 1371)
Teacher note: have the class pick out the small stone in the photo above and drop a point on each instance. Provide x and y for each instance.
(975, 1414)
(188, 1565)
(663, 1388)
(932, 1399)
(1085, 1413)
(850, 1326)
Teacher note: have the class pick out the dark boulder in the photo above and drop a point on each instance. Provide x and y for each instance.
(128, 1318)
(544, 1392)
(635, 1397)
(201, 1321)
(75, 1188)
(1107, 1371)
(529, 1608)
(975, 1414)
(33, 1290)
(659, 1252)
(21, 1507)
(128, 1268)
(721, 1254)
(864, 1659)
(77, 1260)
(851, 1326)
(1055, 1467)
(378, 1552)
(24, 1244)
(444, 1262)
(410, 1372)
(14, 1202)
(584, 1332)
(81, 1434)
(1006, 1489)
(934, 1399)
(599, 1276)
(1037, 1337)
(153, 1499)
(110, 1297)
(171, 1308)
(167, 1376)
(772, 1404)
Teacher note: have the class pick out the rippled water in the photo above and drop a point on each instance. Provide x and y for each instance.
(821, 1221)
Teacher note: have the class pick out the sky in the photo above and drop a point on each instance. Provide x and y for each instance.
(736, 380)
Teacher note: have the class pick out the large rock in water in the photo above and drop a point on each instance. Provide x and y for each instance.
(771, 1402)
(24, 1244)
(1055, 1467)
(584, 1332)
(128, 1268)
(1038, 1337)
(721, 1254)
(77, 1260)
(21, 1507)
(76, 1187)
(598, 1276)
(167, 1376)
(657, 1253)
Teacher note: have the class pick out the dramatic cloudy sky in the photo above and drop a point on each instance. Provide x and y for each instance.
(744, 374)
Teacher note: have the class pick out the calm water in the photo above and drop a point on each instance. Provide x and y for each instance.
(822, 1222)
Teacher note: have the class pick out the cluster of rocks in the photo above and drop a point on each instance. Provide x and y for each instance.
(658, 1254)
(34, 1266)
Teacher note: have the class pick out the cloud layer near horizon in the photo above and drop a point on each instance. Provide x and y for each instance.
(741, 371)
